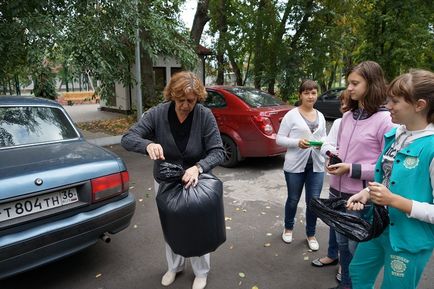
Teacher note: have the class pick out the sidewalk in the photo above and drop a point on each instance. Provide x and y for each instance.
(92, 112)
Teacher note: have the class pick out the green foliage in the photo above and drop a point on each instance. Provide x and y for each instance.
(271, 43)
(43, 82)
(94, 37)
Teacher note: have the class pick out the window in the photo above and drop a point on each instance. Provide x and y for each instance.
(255, 98)
(23, 125)
(214, 100)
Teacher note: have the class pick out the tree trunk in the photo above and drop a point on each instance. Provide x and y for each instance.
(89, 80)
(147, 74)
(258, 50)
(17, 85)
(235, 69)
(221, 45)
(274, 51)
(200, 19)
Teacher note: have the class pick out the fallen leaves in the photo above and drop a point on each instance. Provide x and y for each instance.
(117, 126)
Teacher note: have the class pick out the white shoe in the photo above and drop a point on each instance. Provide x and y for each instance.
(199, 283)
(313, 244)
(287, 237)
(168, 278)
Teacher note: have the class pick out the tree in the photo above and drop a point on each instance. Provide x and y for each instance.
(399, 45)
(96, 37)
(201, 17)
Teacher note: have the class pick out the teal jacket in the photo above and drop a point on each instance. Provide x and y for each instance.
(410, 178)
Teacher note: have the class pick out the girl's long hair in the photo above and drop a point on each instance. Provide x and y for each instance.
(375, 95)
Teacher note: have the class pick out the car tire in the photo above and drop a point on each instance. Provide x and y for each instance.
(231, 152)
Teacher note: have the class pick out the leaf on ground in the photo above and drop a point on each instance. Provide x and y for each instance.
(306, 258)
(117, 126)
(228, 228)
(255, 287)
(269, 234)
(228, 219)
(98, 275)
(242, 275)
(267, 245)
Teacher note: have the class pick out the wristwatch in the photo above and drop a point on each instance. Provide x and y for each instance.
(199, 168)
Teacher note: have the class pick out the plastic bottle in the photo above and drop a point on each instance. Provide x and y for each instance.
(334, 159)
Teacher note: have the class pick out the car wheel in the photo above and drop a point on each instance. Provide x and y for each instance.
(231, 152)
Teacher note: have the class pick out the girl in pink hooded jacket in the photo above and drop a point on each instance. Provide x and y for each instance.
(360, 141)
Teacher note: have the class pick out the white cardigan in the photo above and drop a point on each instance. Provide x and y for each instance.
(292, 129)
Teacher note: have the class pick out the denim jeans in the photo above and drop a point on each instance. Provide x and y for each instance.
(347, 248)
(313, 185)
(333, 248)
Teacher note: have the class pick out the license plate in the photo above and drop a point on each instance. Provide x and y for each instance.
(37, 204)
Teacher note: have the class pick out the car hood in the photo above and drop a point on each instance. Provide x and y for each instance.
(56, 164)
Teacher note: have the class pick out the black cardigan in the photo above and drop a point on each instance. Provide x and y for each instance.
(204, 144)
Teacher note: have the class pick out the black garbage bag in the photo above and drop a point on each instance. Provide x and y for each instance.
(192, 219)
(332, 212)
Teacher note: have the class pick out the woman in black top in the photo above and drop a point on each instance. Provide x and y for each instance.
(180, 130)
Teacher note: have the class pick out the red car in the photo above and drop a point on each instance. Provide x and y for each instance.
(248, 120)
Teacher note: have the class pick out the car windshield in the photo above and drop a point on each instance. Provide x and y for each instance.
(25, 125)
(254, 97)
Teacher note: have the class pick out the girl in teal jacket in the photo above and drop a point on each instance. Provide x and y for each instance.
(404, 182)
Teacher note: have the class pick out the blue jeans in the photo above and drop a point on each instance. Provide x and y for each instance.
(333, 249)
(313, 186)
(347, 248)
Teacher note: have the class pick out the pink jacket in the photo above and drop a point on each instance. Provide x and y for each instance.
(360, 143)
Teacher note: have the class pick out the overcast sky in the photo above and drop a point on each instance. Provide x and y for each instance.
(189, 9)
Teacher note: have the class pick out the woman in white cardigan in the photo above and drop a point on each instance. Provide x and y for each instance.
(301, 131)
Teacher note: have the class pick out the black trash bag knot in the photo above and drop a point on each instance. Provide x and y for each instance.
(333, 212)
(171, 172)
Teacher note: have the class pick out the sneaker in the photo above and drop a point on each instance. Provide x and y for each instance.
(168, 278)
(287, 237)
(313, 244)
(199, 283)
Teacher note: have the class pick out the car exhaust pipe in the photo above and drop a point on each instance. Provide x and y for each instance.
(105, 237)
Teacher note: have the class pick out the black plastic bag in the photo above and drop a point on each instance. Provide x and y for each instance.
(192, 219)
(332, 212)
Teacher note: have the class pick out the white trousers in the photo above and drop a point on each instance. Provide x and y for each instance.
(175, 263)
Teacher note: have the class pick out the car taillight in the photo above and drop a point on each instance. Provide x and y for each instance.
(264, 124)
(109, 186)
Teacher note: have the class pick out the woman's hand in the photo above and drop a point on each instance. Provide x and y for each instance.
(357, 202)
(155, 151)
(338, 169)
(303, 143)
(380, 194)
(191, 177)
